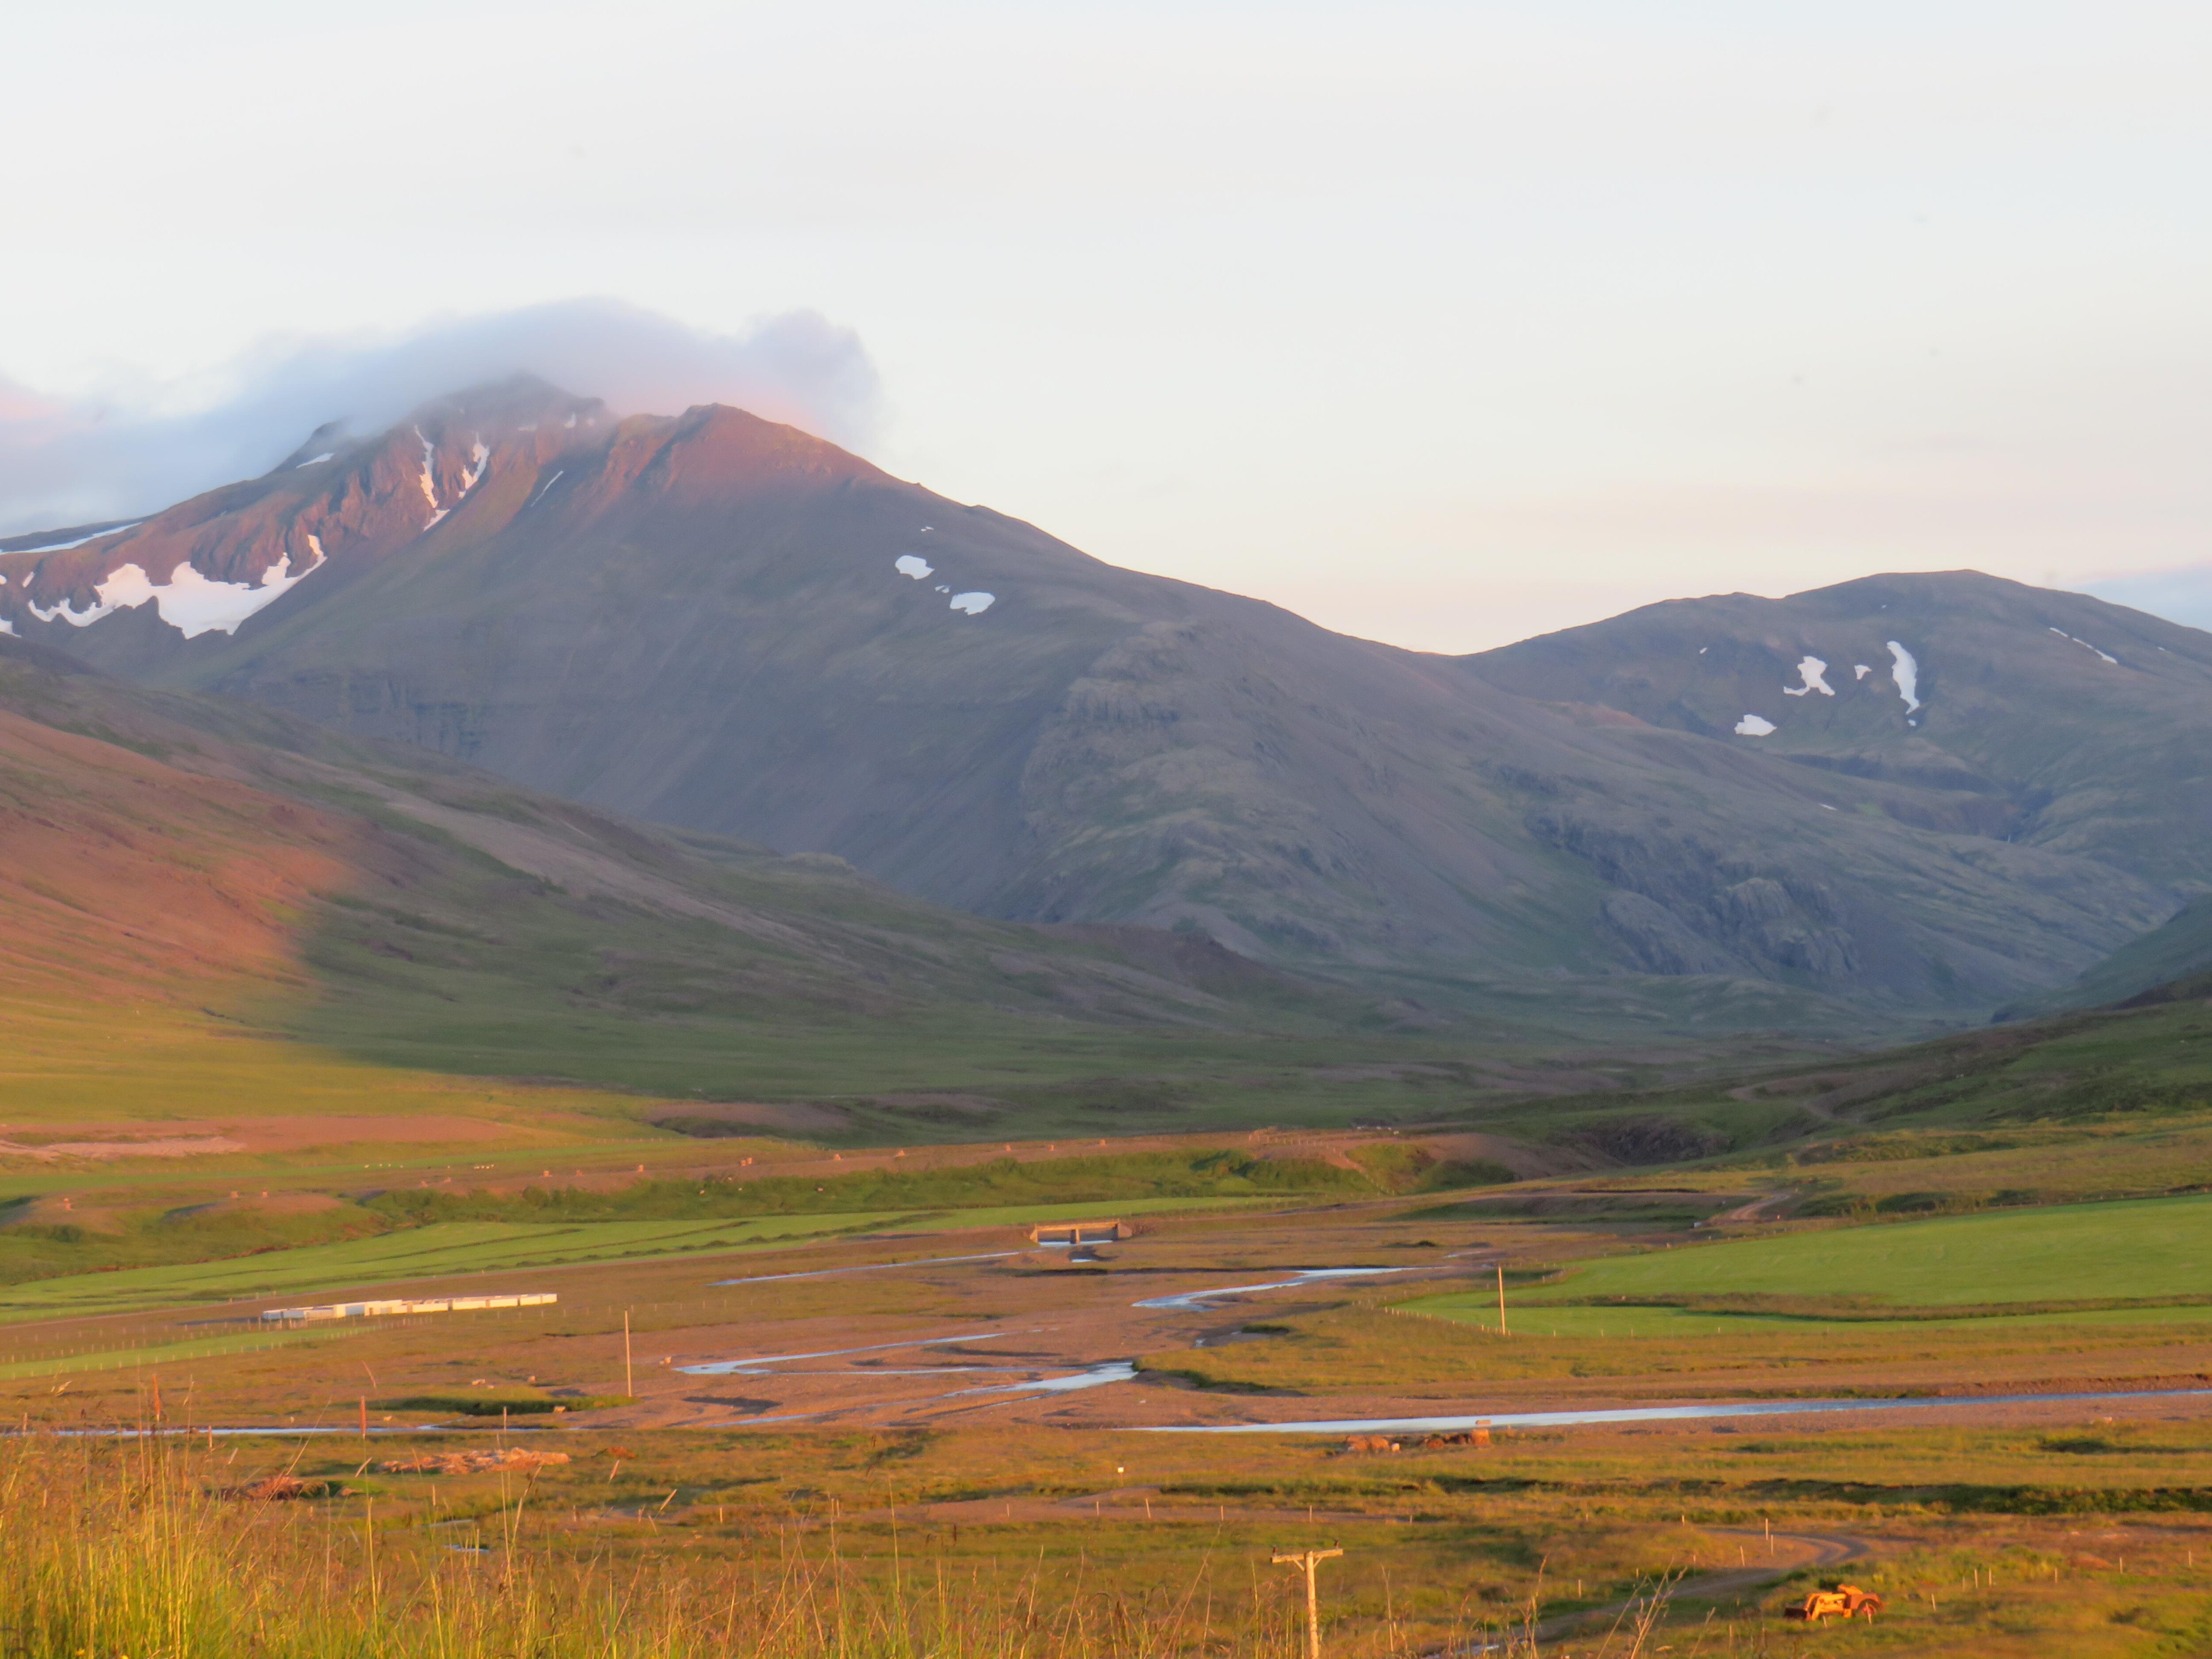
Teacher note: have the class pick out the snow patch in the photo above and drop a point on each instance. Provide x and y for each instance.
(9, 629)
(973, 604)
(194, 605)
(480, 455)
(908, 564)
(429, 488)
(556, 477)
(942, 588)
(1906, 673)
(1814, 672)
(1753, 725)
(927, 528)
(2084, 645)
(188, 602)
(1860, 671)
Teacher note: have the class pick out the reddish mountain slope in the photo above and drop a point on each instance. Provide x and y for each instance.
(125, 880)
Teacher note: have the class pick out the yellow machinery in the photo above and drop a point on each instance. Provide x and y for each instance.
(1845, 1601)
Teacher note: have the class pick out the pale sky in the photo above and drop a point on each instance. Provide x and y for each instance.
(1437, 324)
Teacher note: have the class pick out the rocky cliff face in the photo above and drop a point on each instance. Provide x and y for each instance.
(717, 623)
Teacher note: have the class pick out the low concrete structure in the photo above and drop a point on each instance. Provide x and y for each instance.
(406, 1305)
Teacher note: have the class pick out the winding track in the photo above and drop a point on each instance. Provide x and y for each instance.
(1791, 1551)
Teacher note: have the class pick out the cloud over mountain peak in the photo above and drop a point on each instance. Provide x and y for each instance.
(71, 461)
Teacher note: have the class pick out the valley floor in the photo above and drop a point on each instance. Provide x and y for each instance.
(930, 1421)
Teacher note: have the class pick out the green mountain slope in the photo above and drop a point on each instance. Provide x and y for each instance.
(2167, 962)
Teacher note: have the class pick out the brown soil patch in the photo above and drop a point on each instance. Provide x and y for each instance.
(193, 1139)
(105, 1151)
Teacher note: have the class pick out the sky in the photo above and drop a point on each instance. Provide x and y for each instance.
(1438, 324)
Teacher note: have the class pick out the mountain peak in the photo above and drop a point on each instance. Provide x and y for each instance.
(459, 470)
(520, 402)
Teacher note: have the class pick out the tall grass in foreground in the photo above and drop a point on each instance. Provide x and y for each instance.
(127, 1550)
(120, 1549)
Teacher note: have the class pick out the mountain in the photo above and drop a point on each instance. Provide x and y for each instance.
(2169, 962)
(178, 861)
(2042, 718)
(718, 624)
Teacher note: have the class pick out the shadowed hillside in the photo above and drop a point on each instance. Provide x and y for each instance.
(209, 903)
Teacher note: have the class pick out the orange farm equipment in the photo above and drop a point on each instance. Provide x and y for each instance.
(1845, 1601)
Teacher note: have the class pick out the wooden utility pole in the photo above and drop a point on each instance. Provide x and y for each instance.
(1309, 1560)
(630, 1384)
(1501, 1298)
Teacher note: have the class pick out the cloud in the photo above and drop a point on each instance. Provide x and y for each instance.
(66, 460)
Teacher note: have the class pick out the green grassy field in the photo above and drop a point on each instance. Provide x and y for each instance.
(1541, 1319)
(122, 1247)
(446, 1249)
(440, 1250)
(2157, 1246)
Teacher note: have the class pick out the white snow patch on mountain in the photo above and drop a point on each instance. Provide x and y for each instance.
(973, 604)
(1814, 672)
(194, 605)
(909, 564)
(1906, 673)
(1753, 725)
(429, 488)
(128, 593)
(1860, 671)
(8, 628)
(188, 602)
(2086, 645)
(480, 455)
(316, 460)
